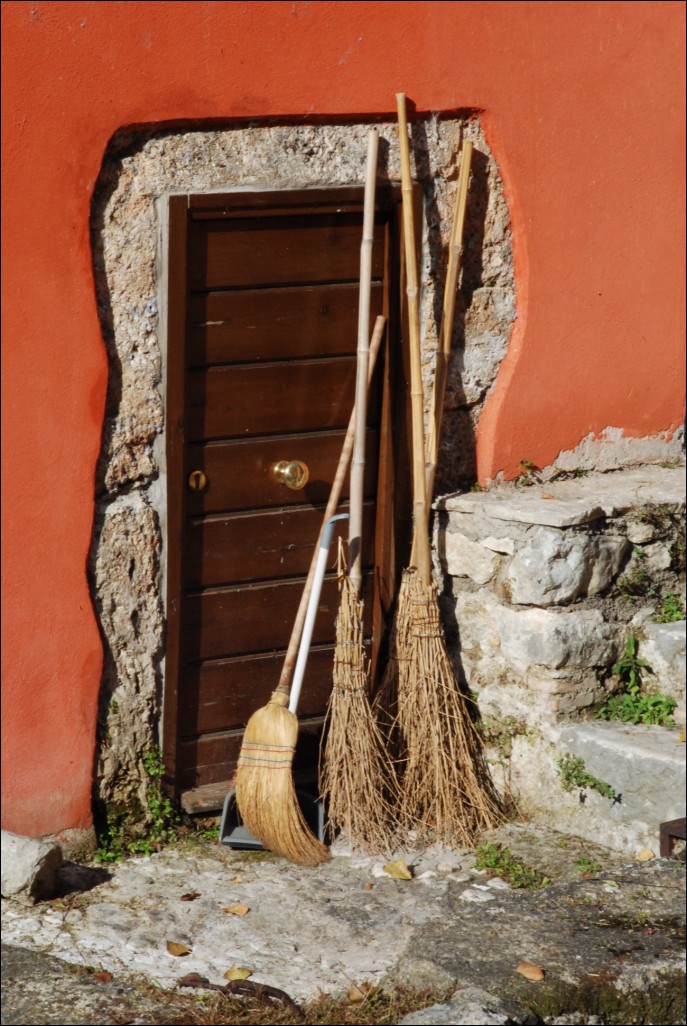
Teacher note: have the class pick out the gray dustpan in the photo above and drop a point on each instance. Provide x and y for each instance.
(232, 832)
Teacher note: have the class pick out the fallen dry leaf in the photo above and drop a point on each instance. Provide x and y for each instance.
(191, 896)
(369, 886)
(645, 855)
(356, 995)
(237, 910)
(102, 977)
(398, 870)
(530, 971)
(548, 495)
(238, 972)
(237, 879)
(683, 735)
(177, 949)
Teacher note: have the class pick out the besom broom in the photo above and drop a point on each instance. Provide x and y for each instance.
(446, 785)
(357, 780)
(265, 794)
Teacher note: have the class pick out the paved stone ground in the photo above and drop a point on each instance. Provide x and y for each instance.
(610, 944)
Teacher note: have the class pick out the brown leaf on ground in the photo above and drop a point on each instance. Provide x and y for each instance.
(191, 896)
(530, 971)
(356, 995)
(238, 972)
(237, 910)
(177, 949)
(398, 870)
(102, 977)
(645, 855)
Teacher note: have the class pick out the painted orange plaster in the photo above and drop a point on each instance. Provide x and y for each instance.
(583, 106)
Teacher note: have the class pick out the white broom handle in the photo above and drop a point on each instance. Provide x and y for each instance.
(306, 636)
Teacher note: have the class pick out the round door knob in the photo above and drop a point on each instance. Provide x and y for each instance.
(291, 473)
(197, 481)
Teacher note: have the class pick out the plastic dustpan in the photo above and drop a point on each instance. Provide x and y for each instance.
(234, 834)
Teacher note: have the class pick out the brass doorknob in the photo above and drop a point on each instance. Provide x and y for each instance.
(291, 473)
(197, 481)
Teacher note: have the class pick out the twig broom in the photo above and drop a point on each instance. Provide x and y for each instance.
(446, 783)
(357, 776)
(265, 794)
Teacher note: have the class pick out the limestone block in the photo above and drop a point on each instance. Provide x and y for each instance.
(470, 1007)
(542, 637)
(480, 641)
(557, 567)
(657, 556)
(465, 558)
(663, 648)
(29, 867)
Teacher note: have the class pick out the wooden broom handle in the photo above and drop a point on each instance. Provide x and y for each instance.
(355, 524)
(455, 253)
(284, 684)
(420, 535)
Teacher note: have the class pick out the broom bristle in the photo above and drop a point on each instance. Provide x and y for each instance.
(265, 794)
(446, 783)
(358, 780)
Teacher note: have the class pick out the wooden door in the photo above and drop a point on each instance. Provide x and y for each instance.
(263, 307)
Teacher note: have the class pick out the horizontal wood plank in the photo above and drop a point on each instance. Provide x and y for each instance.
(259, 546)
(275, 324)
(222, 694)
(212, 758)
(273, 398)
(255, 618)
(240, 474)
(279, 251)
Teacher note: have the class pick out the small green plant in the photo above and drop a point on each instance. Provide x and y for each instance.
(500, 861)
(528, 474)
(629, 668)
(630, 705)
(573, 774)
(637, 582)
(558, 474)
(160, 828)
(672, 609)
(587, 865)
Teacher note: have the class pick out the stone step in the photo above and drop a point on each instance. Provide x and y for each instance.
(643, 765)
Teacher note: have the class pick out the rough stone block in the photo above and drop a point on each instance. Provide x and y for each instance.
(471, 1007)
(29, 867)
(663, 648)
(544, 637)
(556, 567)
(465, 558)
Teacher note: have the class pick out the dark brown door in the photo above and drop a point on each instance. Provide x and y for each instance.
(263, 311)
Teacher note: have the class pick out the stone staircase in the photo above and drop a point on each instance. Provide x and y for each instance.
(543, 585)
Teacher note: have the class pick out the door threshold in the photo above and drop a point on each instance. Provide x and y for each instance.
(209, 798)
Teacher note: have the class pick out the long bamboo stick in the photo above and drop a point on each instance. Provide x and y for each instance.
(284, 684)
(447, 315)
(355, 524)
(420, 537)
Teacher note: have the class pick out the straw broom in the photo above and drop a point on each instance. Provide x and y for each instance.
(358, 779)
(446, 784)
(265, 793)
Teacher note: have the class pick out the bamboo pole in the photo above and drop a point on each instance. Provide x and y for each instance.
(447, 316)
(420, 537)
(355, 526)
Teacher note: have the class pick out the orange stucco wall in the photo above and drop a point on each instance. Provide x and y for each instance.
(582, 105)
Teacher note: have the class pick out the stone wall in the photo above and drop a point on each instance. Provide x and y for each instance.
(544, 581)
(139, 171)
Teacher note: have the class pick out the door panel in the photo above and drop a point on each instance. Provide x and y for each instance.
(243, 253)
(249, 547)
(276, 324)
(240, 474)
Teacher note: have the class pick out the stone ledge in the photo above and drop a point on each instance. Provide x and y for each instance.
(577, 501)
